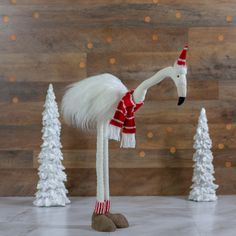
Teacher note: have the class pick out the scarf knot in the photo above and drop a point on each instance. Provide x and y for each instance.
(124, 120)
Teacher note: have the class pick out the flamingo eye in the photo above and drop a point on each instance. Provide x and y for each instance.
(178, 76)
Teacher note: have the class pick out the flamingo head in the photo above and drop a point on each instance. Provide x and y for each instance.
(178, 75)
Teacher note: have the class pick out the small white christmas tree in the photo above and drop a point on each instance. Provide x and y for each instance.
(203, 188)
(51, 188)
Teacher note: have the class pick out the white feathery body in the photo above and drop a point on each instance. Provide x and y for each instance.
(91, 100)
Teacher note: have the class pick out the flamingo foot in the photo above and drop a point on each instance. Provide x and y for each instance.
(102, 223)
(118, 219)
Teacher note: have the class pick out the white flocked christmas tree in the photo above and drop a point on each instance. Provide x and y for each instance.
(203, 187)
(51, 188)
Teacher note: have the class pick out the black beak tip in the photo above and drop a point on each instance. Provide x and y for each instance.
(181, 100)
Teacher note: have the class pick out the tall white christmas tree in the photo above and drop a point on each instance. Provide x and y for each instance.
(203, 188)
(51, 188)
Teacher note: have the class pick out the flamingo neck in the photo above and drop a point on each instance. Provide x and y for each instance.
(140, 92)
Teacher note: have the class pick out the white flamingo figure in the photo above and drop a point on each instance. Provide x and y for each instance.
(91, 104)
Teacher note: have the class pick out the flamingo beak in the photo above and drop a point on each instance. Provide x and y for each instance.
(181, 100)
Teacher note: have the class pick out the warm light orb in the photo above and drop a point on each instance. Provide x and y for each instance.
(82, 65)
(13, 37)
(228, 126)
(155, 1)
(178, 15)
(169, 129)
(112, 61)
(147, 19)
(221, 37)
(229, 19)
(89, 45)
(109, 39)
(221, 146)
(228, 164)
(142, 154)
(12, 78)
(36, 15)
(5, 19)
(13, 1)
(150, 134)
(154, 37)
(173, 150)
(15, 100)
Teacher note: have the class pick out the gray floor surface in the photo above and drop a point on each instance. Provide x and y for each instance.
(148, 216)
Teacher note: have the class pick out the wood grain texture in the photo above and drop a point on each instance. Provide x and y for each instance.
(153, 111)
(16, 159)
(34, 92)
(42, 66)
(227, 90)
(64, 41)
(132, 159)
(18, 182)
(180, 137)
(70, 39)
(216, 61)
(90, 14)
(130, 65)
(154, 181)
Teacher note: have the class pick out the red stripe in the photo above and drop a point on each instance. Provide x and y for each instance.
(121, 106)
(118, 110)
(119, 116)
(129, 123)
(115, 123)
(129, 131)
(107, 209)
(104, 208)
(101, 207)
(97, 207)
(98, 210)
(106, 201)
(107, 205)
(181, 63)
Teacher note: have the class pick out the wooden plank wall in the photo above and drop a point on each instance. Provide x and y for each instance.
(62, 41)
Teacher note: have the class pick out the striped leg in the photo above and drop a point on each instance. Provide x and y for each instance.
(100, 206)
(106, 168)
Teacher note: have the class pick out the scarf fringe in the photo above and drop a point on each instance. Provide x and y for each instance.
(128, 141)
(114, 132)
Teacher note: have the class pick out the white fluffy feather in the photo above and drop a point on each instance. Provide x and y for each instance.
(91, 100)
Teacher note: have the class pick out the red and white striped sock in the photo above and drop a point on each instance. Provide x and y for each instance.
(100, 208)
(108, 205)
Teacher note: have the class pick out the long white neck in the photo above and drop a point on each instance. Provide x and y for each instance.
(141, 90)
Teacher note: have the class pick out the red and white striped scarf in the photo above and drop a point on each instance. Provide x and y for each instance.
(123, 119)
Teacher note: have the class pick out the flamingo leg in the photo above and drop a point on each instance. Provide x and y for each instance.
(119, 220)
(100, 204)
(100, 221)
(106, 167)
